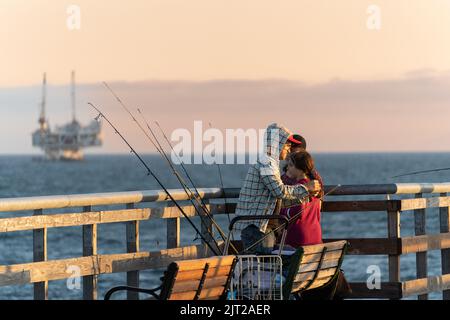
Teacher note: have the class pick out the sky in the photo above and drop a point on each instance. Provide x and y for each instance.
(322, 68)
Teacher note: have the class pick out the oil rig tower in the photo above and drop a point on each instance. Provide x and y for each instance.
(68, 141)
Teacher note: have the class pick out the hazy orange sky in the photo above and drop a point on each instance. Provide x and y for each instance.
(312, 41)
(314, 66)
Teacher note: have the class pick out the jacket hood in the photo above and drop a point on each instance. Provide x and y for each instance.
(276, 137)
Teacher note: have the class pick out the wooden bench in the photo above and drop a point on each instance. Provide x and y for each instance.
(199, 279)
(313, 267)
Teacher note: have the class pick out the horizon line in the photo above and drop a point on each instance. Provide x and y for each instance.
(405, 76)
(312, 152)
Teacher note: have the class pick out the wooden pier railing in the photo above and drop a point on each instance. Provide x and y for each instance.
(154, 205)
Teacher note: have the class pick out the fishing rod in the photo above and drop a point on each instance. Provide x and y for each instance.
(185, 171)
(221, 183)
(164, 154)
(160, 149)
(197, 197)
(150, 172)
(419, 172)
(157, 145)
(179, 160)
(290, 221)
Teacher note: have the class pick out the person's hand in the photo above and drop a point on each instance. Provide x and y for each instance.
(313, 187)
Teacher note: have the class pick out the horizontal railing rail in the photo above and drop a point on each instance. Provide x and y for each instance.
(111, 198)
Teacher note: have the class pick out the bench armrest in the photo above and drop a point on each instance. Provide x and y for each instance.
(151, 292)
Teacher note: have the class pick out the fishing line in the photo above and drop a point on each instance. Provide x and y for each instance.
(419, 172)
(197, 197)
(159, 148)
(223, 188)
(150, 172)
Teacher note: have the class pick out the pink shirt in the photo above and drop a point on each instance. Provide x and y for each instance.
(306, 230)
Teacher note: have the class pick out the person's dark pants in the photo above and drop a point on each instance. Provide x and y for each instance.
(252, 234)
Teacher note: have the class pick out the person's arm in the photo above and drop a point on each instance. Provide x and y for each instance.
(279, 190)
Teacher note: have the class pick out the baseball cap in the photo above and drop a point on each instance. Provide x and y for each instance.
(297, 141)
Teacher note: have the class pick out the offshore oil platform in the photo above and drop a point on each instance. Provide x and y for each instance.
(68, 141)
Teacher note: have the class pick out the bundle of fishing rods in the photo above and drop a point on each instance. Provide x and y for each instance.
(192, 192)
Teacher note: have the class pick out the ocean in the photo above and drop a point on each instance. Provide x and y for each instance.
(21, 176)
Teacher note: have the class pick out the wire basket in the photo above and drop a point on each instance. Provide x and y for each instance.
(257, 278)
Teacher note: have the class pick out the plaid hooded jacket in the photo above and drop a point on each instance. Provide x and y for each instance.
(263, 185)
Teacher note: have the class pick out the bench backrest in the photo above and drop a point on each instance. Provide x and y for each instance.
(314, 266)
(199, 279)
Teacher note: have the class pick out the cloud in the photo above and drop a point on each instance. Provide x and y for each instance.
(371, 115)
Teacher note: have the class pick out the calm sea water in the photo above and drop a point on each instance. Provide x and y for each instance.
(20, 176)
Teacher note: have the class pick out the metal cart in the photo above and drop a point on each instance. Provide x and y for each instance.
(257, 277)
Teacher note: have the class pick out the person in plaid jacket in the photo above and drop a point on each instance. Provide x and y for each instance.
(263, 190)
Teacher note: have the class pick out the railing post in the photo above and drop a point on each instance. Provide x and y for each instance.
(89, 249)
(173, 233)
(132, 246)
(206, 229)
(421, 257)
(40, 254)
(393, 217)
(445, 253)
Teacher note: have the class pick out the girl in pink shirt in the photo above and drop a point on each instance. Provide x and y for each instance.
(305, 229)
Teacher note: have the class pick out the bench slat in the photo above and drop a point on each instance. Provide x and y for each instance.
(337, 245)
(299, 286)
(186, 286)
(317, 283)
(320, 282)
(197, 274)
(197, 264)
(307, 276)
(206, 293)
(307, 267)
(329, 255)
